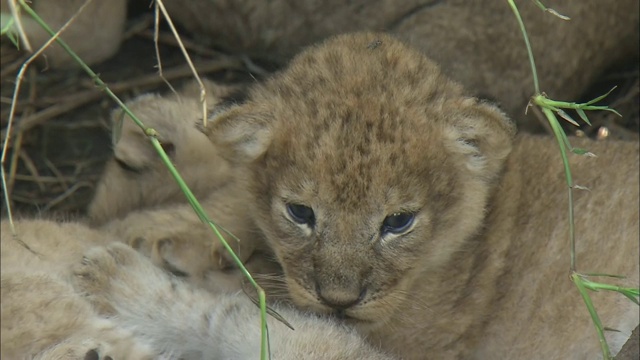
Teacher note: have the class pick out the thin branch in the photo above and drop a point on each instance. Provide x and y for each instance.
(19, 78)
(156, 31)
(203, 92)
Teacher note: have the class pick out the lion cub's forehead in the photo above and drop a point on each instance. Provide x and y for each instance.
(369, 67)
(359, 115)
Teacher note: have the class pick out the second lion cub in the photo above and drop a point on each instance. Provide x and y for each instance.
(139, 202)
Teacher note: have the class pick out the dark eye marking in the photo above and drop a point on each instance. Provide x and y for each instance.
(397, 223)
(301, 214)
(168, 148)
(126, 167)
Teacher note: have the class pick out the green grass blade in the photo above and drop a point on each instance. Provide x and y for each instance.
(580, 151)
(583, 116)
(532, 62)
(632, 298)
(605, 275)
(578, 280)
(567, 117)
(595, 100)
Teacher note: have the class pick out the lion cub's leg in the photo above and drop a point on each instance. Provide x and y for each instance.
(44, 318)
(187, 323)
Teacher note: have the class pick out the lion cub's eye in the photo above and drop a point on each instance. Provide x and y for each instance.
(397, 223)
(301, 214)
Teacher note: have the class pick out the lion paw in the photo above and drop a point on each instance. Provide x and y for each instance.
(112, 272)
(185, 249)
(184, 256)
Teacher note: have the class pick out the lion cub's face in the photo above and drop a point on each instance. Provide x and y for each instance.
(370, 170)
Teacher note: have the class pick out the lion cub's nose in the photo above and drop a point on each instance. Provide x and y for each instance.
(340, 299)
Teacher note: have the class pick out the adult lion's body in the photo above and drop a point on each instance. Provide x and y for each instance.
(477, 43)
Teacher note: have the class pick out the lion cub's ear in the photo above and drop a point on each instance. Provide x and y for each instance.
(240, 135)
(482, 132)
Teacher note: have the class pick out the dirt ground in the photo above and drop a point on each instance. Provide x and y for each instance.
(60, 140)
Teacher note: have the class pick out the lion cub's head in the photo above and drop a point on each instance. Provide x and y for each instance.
(135, 178)
(370, 169)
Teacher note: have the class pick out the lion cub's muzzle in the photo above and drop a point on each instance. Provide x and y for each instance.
(342, 287)
(338, 299)
(340, 292)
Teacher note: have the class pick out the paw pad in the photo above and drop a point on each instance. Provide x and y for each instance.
(93, 354)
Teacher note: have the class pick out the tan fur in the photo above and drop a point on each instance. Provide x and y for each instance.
(362, 127)
(477, 43)
(42, 316)
(136, 178)
(138, 200)
(113, 303)
(94, 35)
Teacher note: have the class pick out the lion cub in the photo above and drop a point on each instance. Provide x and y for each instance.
(138, 200)
(399, 204)
(113, 303)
